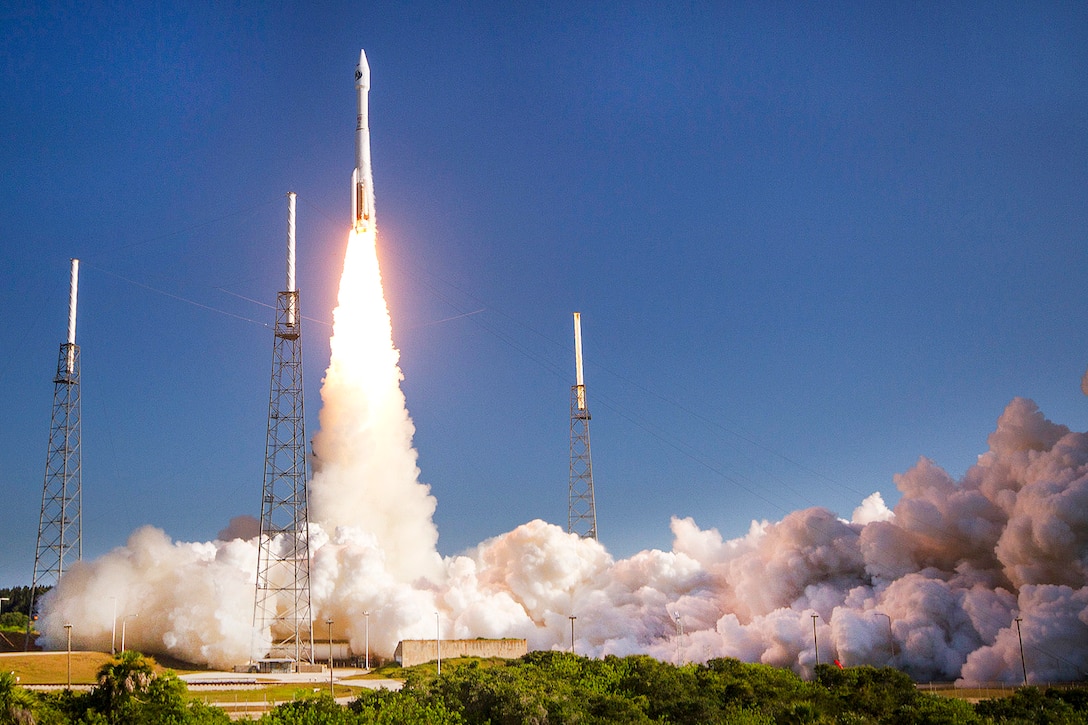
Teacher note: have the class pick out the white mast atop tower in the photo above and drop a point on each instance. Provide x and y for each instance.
(578, 360)
(72, 316)
(582, 512)
(291, 257)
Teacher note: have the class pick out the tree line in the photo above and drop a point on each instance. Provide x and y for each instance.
(545, 688)
(14, 611)
(18, 598)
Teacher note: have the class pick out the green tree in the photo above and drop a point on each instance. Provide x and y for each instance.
(120, 682)
(935, 710)
(866, 691)
(385, 707)
(19, 598)
(17, 706)
(129, 692)
(1031, 705)
(14, 621)
(320, 710)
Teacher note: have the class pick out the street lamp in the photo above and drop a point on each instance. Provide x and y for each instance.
(113, 635)
(68, 629)
(1023, 663)
(366, 616)
(679, 636)
(815, 643)
(572, 618)
(891, 634)
(438, 641)
(329, 622)
(124, 622)
(2, 600)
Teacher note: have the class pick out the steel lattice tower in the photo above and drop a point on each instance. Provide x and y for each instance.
(282, 602)
(582, 514)
(60, 528)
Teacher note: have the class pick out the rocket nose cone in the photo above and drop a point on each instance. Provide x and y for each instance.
(362, 72)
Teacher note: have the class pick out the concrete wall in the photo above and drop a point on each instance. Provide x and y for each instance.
(417, 651)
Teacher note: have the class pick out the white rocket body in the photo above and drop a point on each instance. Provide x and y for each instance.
(362, 181)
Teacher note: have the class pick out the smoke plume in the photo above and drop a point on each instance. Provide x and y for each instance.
(933, 587)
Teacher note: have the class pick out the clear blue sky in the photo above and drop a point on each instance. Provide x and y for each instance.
(810, 243)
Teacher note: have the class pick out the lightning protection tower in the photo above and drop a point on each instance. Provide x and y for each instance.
(282, 602)
(60, 527)
(582, 514)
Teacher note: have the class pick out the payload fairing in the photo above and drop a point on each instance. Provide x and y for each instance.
(362, 180)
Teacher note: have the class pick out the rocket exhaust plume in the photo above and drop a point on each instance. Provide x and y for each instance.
(365, 472)
(932, 588)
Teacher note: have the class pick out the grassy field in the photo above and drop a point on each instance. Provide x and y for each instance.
(267, 693)
(51, 668)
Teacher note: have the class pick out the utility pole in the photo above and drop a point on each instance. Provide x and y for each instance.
(331, 692)
(1023, 662)
(68, 630)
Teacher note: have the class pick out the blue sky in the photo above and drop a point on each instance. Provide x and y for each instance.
(810, 243)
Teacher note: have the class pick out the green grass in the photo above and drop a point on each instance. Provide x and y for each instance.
(971, 694)
(51, 668)
(266, 693)
(393, 671)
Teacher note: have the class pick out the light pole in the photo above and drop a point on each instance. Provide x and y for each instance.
(438, 641)
(2, 600)
(1023, 662)
(891, 635)
(113, 635)
(68, 629)
(329, 622)
(679, 636)
(572, 618)
(815, 643)
(124, 622)
(366, 618)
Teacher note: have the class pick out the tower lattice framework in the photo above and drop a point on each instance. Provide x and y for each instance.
(582, 516)
(582, 511)
(282, 603)
(60, 526)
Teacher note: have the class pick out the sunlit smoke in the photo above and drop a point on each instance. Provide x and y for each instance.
(365, 473)
(932, 587)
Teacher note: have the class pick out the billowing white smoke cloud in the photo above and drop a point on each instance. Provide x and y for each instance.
(365, 473)
(933, 588)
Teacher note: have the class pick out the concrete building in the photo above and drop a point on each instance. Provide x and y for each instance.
(411, 652)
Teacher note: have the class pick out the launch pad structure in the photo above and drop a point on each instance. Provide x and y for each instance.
(582, 511)
(60, 526)
(282, 600)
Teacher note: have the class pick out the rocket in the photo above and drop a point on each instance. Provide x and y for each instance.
(362, 181)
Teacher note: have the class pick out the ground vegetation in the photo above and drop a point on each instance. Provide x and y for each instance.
(552, 688)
